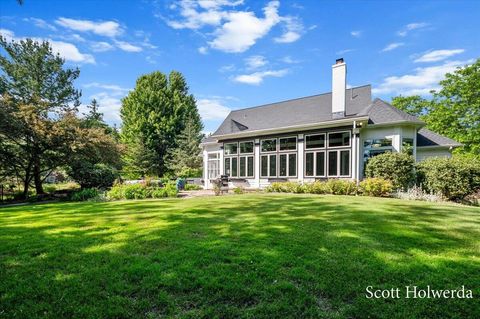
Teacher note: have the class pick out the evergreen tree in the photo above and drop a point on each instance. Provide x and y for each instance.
(186, 158)
(153, 116)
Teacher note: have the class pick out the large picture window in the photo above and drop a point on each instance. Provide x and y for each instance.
(246, 147)
(374, 147)
(315, 141)
(339, 163)
(269, 145)
(230, 148)
(315, 164)
(339, 139)
(288, 165)
(288, 143)
(268, 165)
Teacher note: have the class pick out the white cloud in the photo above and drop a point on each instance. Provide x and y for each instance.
(421, 81)
(255, 62)
(40, 23)
(106, 28)
(128, 47)
(203, 50)
(410, 27)
(109, 100)
(257, 77)
(227, 68)
(356, 33)
(293, 30)
(113, 88)
(392, 46)
(212, 109)
(344, 51)
(234, 31)
(101, 46)
(289, 60)
(438, 55)
(67, 50)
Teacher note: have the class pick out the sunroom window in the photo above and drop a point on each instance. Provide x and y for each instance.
(230, 148)
(339, 163)
(246, 166)
(268, 165)
(288, 143)
(374, 147)
(246, 147)
(315, 164)
(269, 145)
(315, 141)
(287, 165)
(339, 139)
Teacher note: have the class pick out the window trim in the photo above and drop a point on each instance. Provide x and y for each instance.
(269, 139)
(284, 137)
(288, 162)
(239, 149)
(268, 154)
(341, 146)
(316, 148)
(225, 154)
(315, 164)
(327, 161)
(246, 156)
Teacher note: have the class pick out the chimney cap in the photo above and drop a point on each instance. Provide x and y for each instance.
(339, 61)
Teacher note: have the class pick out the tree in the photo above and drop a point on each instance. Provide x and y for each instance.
(454, 110)
(37, 122)
(153, 115)
(185, 158)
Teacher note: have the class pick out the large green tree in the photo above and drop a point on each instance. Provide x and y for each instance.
(37, 119)
(153, 116)
(185, 159)
(454, 110)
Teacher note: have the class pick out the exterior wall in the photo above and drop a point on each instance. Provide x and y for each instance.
(426, 152)
(211, 148)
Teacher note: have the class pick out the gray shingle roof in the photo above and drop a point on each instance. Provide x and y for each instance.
(425, 137)
(380, 112)
(306, 110)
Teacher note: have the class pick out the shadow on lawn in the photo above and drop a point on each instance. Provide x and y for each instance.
(251, 256)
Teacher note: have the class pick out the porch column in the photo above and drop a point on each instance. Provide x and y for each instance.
(300, 148)
(257, 162)
(206, 182)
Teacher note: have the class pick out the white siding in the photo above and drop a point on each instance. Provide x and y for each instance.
(424, 153)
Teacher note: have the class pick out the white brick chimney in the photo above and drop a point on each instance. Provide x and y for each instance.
(339, 84)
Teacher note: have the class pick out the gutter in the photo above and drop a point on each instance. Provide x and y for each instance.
(287, 129)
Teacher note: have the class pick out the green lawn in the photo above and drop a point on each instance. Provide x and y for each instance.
(248, 256)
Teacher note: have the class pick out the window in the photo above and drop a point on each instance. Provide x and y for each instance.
(315, 141)
(287, 165)
(269, 145)
(230, 148)
(246, 147)
(231, 166)
(339, 163)
(288, 143)
(315, 164)
(374, 147)
(339, 139)
(213, 165)
(246, 166)
(269, 165)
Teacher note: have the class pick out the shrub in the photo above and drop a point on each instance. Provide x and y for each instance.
(285, 187)
(315, 188)
(376, 187)
(454, 178)
(92, 175)
(135, 191)
(141, 191)
(340, 187)
(417, 193)
(159, 193)
(171, 190)
(84, 194)
(193, 187)
(399, 168)
(116, 192)
(238, 190)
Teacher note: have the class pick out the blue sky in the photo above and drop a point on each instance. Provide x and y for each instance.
(238, 53)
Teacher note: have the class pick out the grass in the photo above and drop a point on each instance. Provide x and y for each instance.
(247, 256)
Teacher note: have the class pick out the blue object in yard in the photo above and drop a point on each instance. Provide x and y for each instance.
(180, 184)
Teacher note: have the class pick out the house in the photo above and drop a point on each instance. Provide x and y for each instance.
(323, 136)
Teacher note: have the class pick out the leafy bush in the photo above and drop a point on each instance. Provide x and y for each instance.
(84, 194)
(315, 188)
(193, 187)
(454, 178)
(340, 187)
(399, 168)
(92, 175)
(141, 191)
(239, 190)
(376, 187)
(190, 172)
(285, 187)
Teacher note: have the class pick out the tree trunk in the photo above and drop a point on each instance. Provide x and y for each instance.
(26, 183)
(37, 177)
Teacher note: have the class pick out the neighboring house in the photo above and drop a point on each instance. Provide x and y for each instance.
(330, 135)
